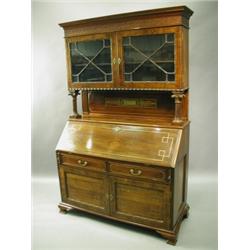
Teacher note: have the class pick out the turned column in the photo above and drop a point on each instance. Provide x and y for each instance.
(74, 94)
(85, 102)
(178, 97)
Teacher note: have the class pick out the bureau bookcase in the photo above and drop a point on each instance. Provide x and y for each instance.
(123, 153)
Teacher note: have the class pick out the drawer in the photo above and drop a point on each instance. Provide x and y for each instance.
(138, 171)
(82, 161)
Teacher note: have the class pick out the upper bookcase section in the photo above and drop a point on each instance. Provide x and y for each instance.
(139, 50)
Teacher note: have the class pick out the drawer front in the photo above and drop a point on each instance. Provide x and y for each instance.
(137, 171)
(83, 162)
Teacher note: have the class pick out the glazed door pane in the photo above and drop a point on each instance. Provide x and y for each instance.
(149, 58)
(91, 61)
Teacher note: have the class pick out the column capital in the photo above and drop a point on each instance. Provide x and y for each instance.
(74, 93)
(178, 95)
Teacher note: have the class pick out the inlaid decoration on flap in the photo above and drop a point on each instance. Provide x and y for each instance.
(168, 141)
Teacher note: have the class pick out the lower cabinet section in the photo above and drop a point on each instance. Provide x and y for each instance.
(143, 195)
(142, 202)
(126, 198)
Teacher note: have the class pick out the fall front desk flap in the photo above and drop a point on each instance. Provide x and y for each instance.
(150, 145)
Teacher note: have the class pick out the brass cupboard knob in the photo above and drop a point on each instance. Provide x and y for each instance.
(135, 172)
(82, 163)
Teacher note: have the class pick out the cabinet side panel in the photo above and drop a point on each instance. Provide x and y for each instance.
(62, 183)
(184, 57)
(178, 189)
(181, 176)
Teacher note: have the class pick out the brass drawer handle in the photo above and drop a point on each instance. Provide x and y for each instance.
(135, 172)
(82, 163)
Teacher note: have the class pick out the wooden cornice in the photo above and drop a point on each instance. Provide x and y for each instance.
(179, 10)
(163, 17)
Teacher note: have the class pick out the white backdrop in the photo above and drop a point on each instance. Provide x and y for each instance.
(51, 105)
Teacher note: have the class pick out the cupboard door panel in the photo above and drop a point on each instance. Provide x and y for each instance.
(141, 202)
(85, 189)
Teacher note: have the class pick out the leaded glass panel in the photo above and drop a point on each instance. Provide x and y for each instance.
(91, 61)
(149, 58)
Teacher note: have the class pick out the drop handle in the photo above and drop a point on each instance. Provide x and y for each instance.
(135, 172)
(82, 163)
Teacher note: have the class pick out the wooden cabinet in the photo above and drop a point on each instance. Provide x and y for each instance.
(124, 155)
(140, 56)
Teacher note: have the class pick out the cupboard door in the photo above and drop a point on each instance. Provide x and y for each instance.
(85, 189)
(149, 58)
(90, 61)
(140, 202)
